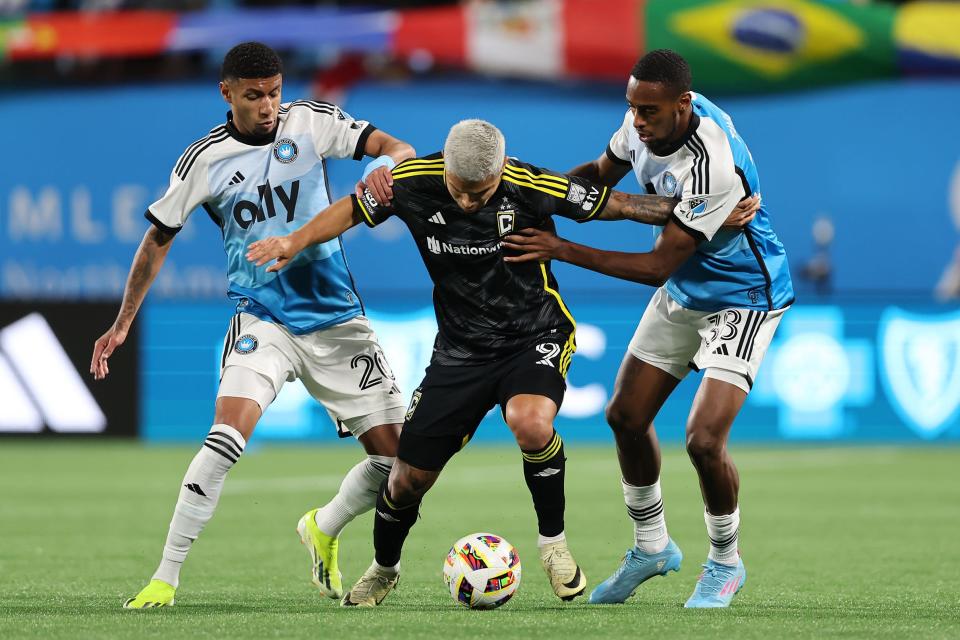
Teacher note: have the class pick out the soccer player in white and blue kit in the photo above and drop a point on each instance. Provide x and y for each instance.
(262, 173)
(721, 294)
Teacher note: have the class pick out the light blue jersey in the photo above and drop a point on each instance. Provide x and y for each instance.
(710, 169)
(253, 188)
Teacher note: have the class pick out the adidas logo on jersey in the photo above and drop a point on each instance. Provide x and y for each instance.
(237, 178)
(437, 218)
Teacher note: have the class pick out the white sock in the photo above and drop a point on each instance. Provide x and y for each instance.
(358, 494)
(645, 508)
(199, 494)
(545, 540)
(724, 534)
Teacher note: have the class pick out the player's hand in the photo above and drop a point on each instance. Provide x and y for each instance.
(380, 184)
(534, 244)
(103, 348)
(744, 212)
(279, 248)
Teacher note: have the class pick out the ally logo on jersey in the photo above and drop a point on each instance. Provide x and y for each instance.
(269, 201)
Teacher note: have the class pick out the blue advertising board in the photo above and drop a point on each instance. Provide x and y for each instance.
(856, 372)
(87, 162)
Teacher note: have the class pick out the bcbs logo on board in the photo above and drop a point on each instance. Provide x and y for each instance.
(285, 150)
(921, 368)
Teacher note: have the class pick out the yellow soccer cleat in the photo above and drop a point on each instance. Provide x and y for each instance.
(372, 587)
(324, 572)
(566, 578)
(156, 594)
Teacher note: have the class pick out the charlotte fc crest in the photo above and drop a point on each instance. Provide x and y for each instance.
(920, 358)
(285, 150)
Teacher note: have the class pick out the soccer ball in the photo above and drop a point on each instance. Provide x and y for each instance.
(482, 571)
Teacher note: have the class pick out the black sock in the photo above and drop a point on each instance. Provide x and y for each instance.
(391, 524)
(544, 470)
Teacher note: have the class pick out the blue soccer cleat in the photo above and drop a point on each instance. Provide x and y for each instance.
(717, 585)
(637, 567)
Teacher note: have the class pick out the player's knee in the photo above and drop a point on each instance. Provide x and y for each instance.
(702, 445)
(622, 419)
(408, 486)
(531, 426)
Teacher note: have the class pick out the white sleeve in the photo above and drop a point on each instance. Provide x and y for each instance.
(337, 135)
(618, 149)
(711, 191)
(182, 197)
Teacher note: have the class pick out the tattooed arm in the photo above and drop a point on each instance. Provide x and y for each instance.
(657, 210)
(639, 208)
(146, 264)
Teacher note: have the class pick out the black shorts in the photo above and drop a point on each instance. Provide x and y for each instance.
(449, 404)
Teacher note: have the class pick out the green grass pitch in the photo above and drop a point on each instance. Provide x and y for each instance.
(838, 542)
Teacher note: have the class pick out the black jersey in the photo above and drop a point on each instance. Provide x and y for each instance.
(486, 308)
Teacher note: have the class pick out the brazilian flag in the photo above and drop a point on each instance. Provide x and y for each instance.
(742, 46)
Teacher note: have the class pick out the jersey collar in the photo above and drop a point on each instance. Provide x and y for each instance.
(256, 141)
(677, 144)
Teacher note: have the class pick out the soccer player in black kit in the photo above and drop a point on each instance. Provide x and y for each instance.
(505, 335)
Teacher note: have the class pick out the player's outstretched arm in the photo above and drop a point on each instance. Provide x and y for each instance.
(602, 171)
(377, 177)
(673, 248)
(147, 261)
(326, 225)
(648, 209)
(656, 210)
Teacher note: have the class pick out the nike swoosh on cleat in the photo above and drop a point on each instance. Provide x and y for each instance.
(575, 581)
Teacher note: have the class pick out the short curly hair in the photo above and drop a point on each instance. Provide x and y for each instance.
(250, 60)
(666, 67)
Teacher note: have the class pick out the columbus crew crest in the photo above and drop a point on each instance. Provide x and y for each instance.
(505, 220)
(414, 402)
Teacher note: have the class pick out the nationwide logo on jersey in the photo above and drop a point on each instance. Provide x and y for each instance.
(772, 39)
(285, 150)
(576, 194)
(245, 344)
(920, 355)
(668, 184)
(437, 247)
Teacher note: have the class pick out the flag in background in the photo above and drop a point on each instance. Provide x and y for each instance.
(762, 45)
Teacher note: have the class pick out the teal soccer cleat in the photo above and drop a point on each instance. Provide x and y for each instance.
(717, 585)
(637, 567)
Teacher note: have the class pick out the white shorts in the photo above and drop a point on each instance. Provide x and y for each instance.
(728, 344)
(342, 367)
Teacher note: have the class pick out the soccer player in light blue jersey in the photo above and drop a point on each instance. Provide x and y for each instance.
(262, 173)
(722, 291)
